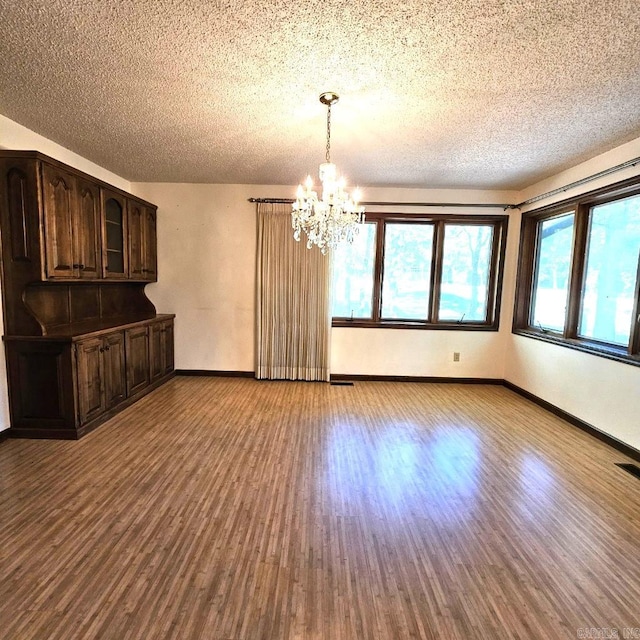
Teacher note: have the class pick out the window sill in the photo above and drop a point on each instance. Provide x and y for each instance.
(408, 324)
(618, 354)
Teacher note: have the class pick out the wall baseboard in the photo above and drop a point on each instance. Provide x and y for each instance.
(620, 446)
(209, 372)
(434, 379)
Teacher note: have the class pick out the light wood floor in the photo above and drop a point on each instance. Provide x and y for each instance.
(222, 508)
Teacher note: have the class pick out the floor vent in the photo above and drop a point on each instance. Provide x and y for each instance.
(633, 469)
(341, 383)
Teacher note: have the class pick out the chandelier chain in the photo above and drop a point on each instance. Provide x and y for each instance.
(328, 153)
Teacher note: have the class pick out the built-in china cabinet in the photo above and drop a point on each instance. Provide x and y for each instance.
(82, 340)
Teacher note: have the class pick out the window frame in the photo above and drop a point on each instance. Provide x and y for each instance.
(494, 283)
(535, 271)
(569, 337)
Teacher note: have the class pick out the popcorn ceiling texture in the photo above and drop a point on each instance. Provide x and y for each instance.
(433, 93)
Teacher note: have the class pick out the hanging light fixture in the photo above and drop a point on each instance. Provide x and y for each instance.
(337, 216)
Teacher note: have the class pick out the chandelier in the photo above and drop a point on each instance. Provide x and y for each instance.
(337, 216)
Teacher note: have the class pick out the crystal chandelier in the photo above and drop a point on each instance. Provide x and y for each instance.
(337, 216)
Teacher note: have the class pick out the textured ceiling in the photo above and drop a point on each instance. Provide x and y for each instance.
(442, 93)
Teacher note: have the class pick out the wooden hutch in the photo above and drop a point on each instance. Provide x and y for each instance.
(82, 340)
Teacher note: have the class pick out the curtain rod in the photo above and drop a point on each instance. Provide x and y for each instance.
(395, 204)
(577, 183)
(524, 203)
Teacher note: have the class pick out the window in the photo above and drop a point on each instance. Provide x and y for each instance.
(352, 275)
(407, 271)
(610, 281)
(579, 273)
(466, 264)
(552, 273)
(420, 272)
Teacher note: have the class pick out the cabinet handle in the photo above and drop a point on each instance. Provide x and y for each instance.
(77, 266)
(101, 349)
(107, 348)
(81, 266)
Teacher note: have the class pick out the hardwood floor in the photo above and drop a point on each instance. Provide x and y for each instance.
(226, 508)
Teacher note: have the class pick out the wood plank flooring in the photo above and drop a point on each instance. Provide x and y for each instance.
(227, 508)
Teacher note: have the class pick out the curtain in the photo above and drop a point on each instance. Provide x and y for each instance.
(293, 309)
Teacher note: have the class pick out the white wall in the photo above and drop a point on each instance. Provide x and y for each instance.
(206, 270)
(395, 352)
(603, 393)
(619, 155)
(207, 261)
(15, 136)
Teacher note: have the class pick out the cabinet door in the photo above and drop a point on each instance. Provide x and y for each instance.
(136, 219)
(115, 386)
(114, 235)
(157, 357)
(137, 355)
(87, 230)
(91, 399)
(59, 218)
(143, 251)
(168, 346)
(150, 268)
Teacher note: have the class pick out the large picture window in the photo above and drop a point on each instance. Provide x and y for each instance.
(439, 271)
(579, 276)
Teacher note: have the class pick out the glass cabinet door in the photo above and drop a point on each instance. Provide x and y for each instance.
(114, 235)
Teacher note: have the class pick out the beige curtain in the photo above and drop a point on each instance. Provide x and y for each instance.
(293, 310)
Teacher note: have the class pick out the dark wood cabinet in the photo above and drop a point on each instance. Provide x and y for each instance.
(90, 363)
(59, 218)
(41, 387)
(138, 373)
(115, 373)
(150, 237)
(161, 349)
(65, 386)
(101, 375)
(156, 348)
(82, 339)
(71, 225)
(87, 231)
(142, 242)
(115, 239)
(168, 347)
(136, 224)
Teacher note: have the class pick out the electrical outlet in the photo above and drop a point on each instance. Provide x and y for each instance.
(456, 356)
